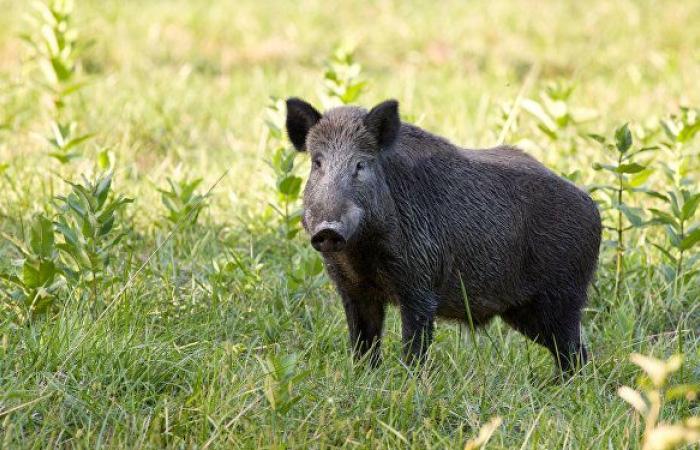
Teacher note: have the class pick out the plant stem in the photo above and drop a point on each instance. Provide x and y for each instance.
(619, 252)
(679, 262)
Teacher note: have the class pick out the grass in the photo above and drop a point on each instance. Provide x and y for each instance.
(197, 338)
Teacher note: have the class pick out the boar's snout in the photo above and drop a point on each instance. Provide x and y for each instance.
(329, 237)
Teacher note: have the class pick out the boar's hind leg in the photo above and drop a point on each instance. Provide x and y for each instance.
(417, 323)
(365, 317)
(555, 323)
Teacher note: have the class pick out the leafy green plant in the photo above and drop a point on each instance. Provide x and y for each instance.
(88, 223)
(32, 290)
(306, 266)
(681, 232)
(628, 176)
(681, 201)
(55, 46)
(342, 80)
(553, 111)
(64, 142)
(552, 114)
(287, 182)
(649, 401)
(182, 201)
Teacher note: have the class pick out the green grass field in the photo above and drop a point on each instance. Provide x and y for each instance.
(143, 325)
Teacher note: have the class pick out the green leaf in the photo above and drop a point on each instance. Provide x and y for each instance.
(666, 253)
(629, 168)
(639, 178)
(74, 87)
(68, 234)
(690, 206)
(670, 128)
(12, 279)
(287, 163)
(103, 159)
(106, 227)
(623, 138)
(537, 111)
(654, 194)
(353, 92)
(632, 214)
(688, 132)
(102, 189)
(30, 274)
(550, 133)
(690, 240)
(189, 189)
(47, 272)
(641, 150)
(674, 204)
(77, 141)
(596, 137)
(608, 167)
(63, 158)
(673, 236)
(290, 186)
(41, 238)
(601, 187)
(662, 217)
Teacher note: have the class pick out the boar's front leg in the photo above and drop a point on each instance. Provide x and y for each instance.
(417, 323)
(365, 316)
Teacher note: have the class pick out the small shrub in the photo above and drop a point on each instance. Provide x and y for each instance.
(64, 142)
(88, 223)
(628, 176)
(287, 182)
(182, 201)
(342, 79)
(31, 290)
(680, 202)
(55, 46)
(553, 112)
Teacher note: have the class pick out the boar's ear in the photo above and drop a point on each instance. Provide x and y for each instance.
(383, 122)
(301, 116)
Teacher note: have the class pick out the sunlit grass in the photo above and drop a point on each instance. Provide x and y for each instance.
(178, 353)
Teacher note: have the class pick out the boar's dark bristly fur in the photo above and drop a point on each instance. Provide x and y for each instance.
(403, 216)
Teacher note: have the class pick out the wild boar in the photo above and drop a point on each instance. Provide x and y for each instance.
(403, 216)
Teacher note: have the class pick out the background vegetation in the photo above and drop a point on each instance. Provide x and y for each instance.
(155, 290)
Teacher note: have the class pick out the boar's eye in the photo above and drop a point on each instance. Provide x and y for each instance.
(360, 167)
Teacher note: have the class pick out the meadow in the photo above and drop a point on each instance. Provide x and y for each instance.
(156, 290)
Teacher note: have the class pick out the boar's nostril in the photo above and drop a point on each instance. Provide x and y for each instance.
(328, 240)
